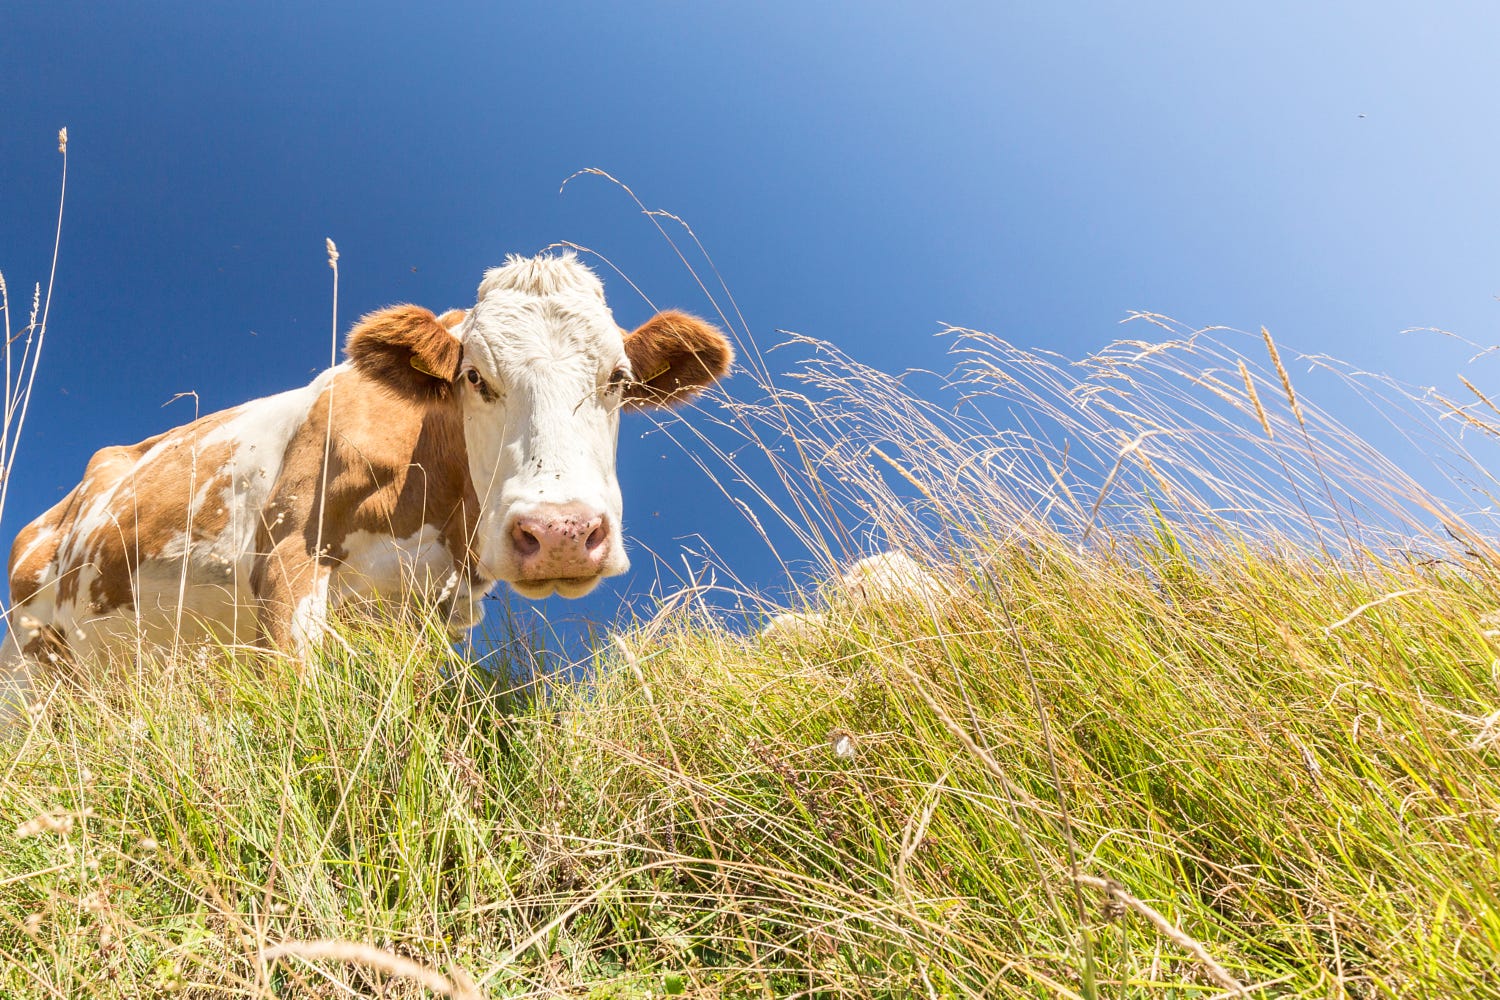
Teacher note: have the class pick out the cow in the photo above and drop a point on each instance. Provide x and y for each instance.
(447, 453)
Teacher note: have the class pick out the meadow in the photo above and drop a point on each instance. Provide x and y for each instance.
(1202, 703)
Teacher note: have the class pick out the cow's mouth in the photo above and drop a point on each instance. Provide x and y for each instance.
(563, 586)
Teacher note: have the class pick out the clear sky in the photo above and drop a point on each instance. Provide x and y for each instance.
(862, 172)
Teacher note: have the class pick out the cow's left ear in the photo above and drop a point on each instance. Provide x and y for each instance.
(674, 356)
(406, 350)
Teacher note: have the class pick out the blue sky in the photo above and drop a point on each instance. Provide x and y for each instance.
(861, 173)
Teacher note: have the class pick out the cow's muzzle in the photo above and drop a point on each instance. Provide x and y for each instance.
(557, 543)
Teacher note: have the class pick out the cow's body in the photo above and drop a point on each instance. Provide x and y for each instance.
(445, 455)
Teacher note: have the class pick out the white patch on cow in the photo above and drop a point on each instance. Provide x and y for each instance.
(310, 618)
(167, 611)
(383, 566)
(261, 428)
(96, 518)
(380, 564)
(260, 432)
(545, 344)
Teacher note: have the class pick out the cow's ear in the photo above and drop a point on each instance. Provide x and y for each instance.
(674, 356)
(406, 350)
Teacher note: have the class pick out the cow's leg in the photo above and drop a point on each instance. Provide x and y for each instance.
(460, 599)
(310, 616)
(291, 594)
(15, 680)
(30, 647)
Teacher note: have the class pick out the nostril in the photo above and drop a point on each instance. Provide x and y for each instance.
(566, 540)
(526, 543)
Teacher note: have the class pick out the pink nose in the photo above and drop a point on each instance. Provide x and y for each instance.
(559, 541)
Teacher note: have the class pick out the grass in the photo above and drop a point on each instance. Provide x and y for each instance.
(1207, 708)
(871, 810)
(1171, 762)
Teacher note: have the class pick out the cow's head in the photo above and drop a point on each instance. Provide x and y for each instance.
(541, 373)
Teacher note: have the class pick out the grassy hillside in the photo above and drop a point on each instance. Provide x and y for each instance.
(1142, 778)
(1209, 708)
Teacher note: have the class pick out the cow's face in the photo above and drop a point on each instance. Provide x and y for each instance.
(541, 372)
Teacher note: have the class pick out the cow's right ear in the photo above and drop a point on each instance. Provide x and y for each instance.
(675, 356)
(406, 350)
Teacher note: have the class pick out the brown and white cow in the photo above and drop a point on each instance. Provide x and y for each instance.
(446, 454)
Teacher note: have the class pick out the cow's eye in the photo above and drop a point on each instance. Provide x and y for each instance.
(617, 378)
(480, 385)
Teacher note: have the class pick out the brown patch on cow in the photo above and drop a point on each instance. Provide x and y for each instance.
(395, 463)
(452, 318)
(102, 472)
(155, 508)
(149, 507)
(29, 560)
(674, 356)
(407, 351)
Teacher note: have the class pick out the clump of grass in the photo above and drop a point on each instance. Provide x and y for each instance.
(20, 371)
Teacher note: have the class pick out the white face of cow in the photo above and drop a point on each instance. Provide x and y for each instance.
(541, 383)
(541, 372)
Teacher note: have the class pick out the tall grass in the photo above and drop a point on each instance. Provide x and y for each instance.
(20, 371)
(1206, 707)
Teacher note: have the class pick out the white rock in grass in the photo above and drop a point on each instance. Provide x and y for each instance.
(885, 576)
(890, 576)
(791, 625)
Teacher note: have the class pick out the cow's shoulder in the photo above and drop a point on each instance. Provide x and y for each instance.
(394, 463)
(371, 434)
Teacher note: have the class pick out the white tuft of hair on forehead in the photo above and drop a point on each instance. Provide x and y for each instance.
(544, 274)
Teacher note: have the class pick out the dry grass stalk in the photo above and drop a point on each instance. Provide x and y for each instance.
(1463, 414)
(458, 985)
(1377, 602)
(1216, 972)
(1482, 397)
(1286, 380)
(1260, 411)
(20, 379)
